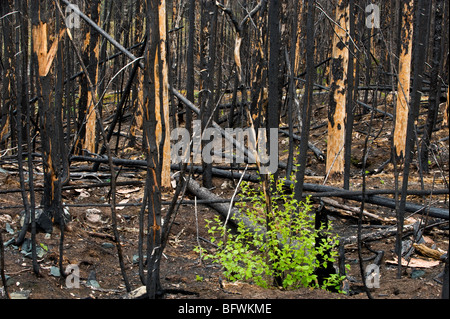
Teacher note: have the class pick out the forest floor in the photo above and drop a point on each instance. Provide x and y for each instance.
(181, 267)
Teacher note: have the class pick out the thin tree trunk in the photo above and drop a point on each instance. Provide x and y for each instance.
(190, 65)
(308, 100)
(290, 62)
(42, 61)
(435, 87)
(351, 89)
(274, 88)
(2, 265)
(7, 74)
(404, 78)
(92, 51)
(446, 109)
(422, 29)
(209, 22)
(337, 106)
(153, 180)
(162, 99)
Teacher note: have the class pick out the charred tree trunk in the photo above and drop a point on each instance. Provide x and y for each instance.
(138, 90)
(91, 52)
(209, 23)
(2, 265)
(162, 99)
(308, 101)
(50, 114)
(404, 78)
(421, 28)
(274, 88)
(190, 65)
(350, 95)
(435, 87)
(7, 74)
(87, 117)
(42, 59)
(152, 67)
(337, 106)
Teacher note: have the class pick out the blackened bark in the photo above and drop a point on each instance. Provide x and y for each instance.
(349, 103)
(274, 88)
(308, 101)
(435, 87)
(7, 74)
(2, 265)
(60, 142)
(445, 286)
(209, 23)
(190, 65)
(421, 30)
(292, 87)
(153, 180)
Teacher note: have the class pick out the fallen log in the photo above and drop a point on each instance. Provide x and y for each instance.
(222, 208)
(353, 211)
(415, 192)
(371, 199)
(374, 236)
(351, 195)
(377, 235)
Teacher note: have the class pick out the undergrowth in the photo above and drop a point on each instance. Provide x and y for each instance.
(285, 248)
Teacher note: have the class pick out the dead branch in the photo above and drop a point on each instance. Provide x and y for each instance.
(428, 252)
(372, 199)
(222, 208)
(352, 211)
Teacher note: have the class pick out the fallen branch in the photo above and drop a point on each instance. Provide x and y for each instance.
(321, 189)
(372, 199)
(84, 186)
(222, 208)
(319, 154)
(352, 211)
(418, 192)
(391, 231)
(100, 235)
(428, 252)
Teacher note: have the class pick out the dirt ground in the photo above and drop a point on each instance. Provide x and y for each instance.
(88, 241)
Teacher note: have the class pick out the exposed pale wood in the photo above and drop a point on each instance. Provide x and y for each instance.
(337, 107)
(40, 42)
(162, 96)
(428, 252)
(404, 79)
(237, 55)
(91, 119)
(5, 130)
(446, 109)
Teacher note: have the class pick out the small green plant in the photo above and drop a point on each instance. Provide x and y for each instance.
(44, 246)
(283, 249)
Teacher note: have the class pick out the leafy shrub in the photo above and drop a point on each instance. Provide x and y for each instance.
(283, 248)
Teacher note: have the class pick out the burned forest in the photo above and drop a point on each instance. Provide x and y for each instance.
(248, 149)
